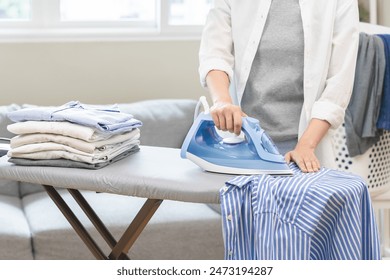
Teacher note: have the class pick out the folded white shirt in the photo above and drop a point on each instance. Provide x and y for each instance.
(88, 147)
(85, 133)
(57, 151)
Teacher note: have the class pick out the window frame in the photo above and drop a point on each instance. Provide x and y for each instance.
(45, 25)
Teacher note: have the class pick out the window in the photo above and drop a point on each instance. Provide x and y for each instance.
(108, 10)
(106, 18)
(188, 12)
(14, 10)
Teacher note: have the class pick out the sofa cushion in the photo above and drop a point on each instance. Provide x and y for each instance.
(8, 187)
(178, 230)
(181, 230)
(28, 188)
(15, 241)
(165, 121)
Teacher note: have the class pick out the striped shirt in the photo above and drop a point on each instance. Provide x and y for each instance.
(309, 216)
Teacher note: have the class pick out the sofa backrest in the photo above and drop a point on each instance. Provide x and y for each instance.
(4, 121)
(7, 187)
(165, 122)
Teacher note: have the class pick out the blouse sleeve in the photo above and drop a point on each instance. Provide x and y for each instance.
(334, 99)
(216, 48)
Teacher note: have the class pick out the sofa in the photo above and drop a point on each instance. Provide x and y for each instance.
(31, 226)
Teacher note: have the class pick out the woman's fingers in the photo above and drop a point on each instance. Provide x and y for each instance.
(237, 122)
(227, 117)
(305, 159)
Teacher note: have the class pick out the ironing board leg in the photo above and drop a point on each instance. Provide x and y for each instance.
(76, 224)
(120, 248)
(96, 221)
(134, 230)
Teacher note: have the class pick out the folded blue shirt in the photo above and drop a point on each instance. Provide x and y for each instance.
(107, 118)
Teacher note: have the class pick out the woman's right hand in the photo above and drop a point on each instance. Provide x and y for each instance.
(227, 117)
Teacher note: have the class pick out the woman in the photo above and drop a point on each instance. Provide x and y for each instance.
(288, 63)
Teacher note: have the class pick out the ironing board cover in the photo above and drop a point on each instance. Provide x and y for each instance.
(153, 172)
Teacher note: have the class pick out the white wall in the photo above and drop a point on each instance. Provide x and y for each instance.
(384, 12)
(105, 72)
(99, 73)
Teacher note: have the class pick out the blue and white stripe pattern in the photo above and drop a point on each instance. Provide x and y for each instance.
(309, 216)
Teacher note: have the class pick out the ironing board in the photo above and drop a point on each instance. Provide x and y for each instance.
(154, 173)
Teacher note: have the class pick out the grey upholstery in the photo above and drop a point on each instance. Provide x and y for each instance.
(165, 121)
(4, 121)
(15, 236)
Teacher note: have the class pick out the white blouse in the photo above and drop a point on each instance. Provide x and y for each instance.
(331, 35)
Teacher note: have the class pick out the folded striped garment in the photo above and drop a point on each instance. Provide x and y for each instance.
(107, 118)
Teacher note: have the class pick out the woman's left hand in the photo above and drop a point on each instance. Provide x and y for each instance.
(304, 157)
(303, 154)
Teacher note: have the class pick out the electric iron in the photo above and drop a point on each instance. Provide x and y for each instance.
(252, 152)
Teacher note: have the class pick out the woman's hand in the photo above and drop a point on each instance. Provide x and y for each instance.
(227, 117)
(303, 154)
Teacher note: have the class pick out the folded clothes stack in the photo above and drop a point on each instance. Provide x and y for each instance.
(72, 135)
